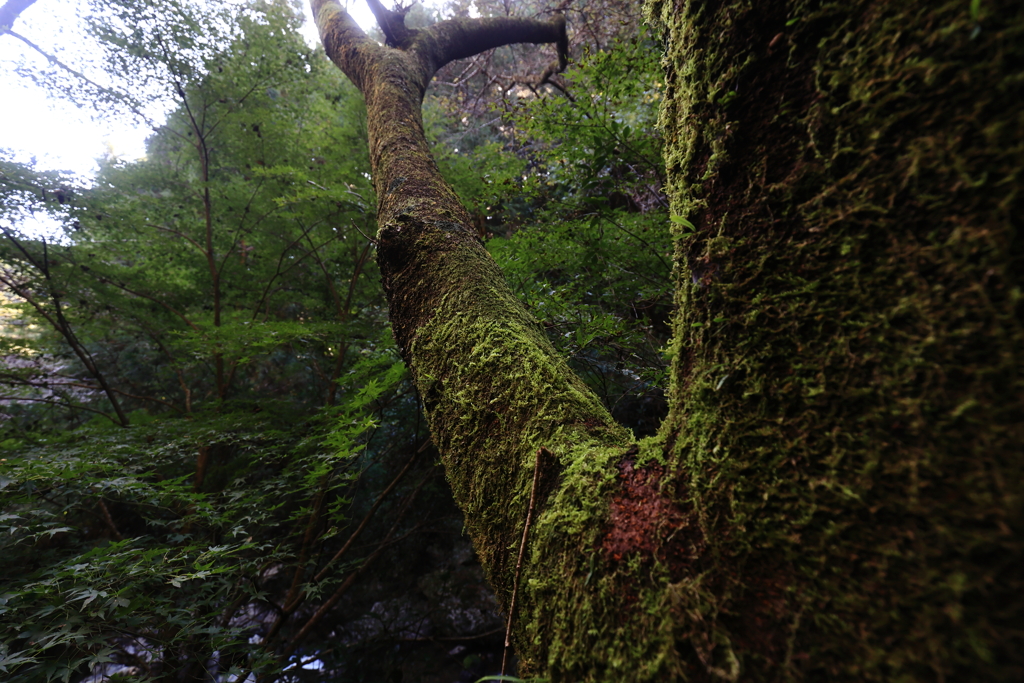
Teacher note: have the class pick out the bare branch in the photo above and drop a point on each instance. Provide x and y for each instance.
(141, 295)
(6, 400)
(181, 235)
(366, 520)
(328, 605)
(109, 520)
(53, 386)
(522, 549)
(119, 96)
(296, 597)
(354, 52)
(59, 322)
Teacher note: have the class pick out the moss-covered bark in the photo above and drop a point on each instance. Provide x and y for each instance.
(495, 392)
(837, 492)
(848, 401)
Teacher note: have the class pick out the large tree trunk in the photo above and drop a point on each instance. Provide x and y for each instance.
(848, 400)
(837, 491)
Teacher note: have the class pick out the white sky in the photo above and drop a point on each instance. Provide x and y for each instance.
(58, 134)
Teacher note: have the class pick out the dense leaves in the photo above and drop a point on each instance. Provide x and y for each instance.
(592, 259)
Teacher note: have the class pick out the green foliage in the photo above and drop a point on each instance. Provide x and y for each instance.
(221, 296)
(218, 295)
(231, 257)
(184, 549)
(602, 145)
(589, 253)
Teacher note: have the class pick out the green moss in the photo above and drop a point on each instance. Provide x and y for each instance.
(491, 406)
(501, 403)
(495, 393)
(848, 400)
(836, 494)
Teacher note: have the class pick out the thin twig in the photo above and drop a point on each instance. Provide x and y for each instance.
(296, 640)
(295, 598)
(519, 562)
(368, 238)
(6, 400)
(322, 574)
(122, 97)
(79, 385)
(307, 537)
(109, 520)
(453, 639)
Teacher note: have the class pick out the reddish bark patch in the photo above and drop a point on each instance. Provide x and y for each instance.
(642, 520)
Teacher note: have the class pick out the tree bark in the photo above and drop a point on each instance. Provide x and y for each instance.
(836, 492)
(10, 11)
(847, 407)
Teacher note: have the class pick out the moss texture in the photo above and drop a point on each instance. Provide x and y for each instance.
(496, 393)
(837, 492)
(848, 399)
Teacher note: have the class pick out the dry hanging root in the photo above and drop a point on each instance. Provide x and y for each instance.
(519, 562)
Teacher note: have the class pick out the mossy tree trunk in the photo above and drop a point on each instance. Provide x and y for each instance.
(848, 400)
(837, 492)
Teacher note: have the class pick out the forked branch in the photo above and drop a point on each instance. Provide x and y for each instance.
(392, 23)
(432, 47)
(458, 325)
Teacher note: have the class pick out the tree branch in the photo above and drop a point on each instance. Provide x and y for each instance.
(522, 551)
(142, 295)
(119, 96)
(296, 596)
(109, 520)
(345, 43)
(354, 53)
(59, 322)
(4, 400)
(10, 12)
(52, 386)
(455, 39)
(326, 607)
(493, 387)
(392, 22)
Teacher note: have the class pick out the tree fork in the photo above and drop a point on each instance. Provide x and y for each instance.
(480, 359)
(835, 493)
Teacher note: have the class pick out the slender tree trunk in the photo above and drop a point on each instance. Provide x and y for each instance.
(60, 323)
(203, 151)
(836, 492)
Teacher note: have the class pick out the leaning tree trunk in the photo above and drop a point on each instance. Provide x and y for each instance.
(847, 415)
(499, 400)
(836, 494)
